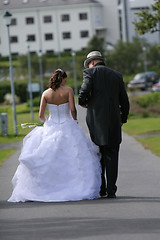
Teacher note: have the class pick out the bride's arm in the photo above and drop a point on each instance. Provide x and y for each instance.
(42, 108)
(72, 104)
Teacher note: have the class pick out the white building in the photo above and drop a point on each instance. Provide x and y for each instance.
(62, 25)
(51, 25)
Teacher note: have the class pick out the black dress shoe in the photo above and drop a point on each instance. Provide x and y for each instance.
(102, 194)
(111, 196)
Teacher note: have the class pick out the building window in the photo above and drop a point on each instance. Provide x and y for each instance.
(67, 50)
(29, 20)
(13, 39)
(47, 19)
(15, 54)
(31, 38)
(50, 51)
(13, 21)
(66, 35)
(84, 34)
(83, 16)
(48, 36)
(65, 17)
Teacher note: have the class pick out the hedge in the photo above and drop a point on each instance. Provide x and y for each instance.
(148, 100)
(20, 90)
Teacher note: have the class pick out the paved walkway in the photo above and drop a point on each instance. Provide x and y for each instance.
(134, 215)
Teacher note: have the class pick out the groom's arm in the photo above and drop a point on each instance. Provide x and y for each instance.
(85, 89)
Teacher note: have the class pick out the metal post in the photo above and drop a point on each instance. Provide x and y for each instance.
(30, 83)
(144, 59)
(74, 73)
(41, 71)
(4, 124)
(12, 85)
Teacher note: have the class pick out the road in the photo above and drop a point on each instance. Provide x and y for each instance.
(134, 215)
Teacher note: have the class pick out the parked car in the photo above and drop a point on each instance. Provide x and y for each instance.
(143, 81)
(156, 87)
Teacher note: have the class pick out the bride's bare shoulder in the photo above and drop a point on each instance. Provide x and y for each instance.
(47, 91)
(68, 89)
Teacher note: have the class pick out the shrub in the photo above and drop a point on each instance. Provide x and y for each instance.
(36, 102)
(20, 90)
(149, 100)
(5, 88)
(145, 115)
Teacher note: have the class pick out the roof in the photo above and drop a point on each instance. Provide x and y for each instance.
(23, 4)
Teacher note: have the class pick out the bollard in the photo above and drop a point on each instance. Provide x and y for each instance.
(4, 124)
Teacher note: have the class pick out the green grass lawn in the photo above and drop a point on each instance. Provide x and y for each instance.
(136, 127)
(5, 153)
(23, 116)
(141, 125)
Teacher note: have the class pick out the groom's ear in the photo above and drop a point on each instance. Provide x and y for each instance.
(91, 64)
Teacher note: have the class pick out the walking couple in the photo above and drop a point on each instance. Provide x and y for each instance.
(58, 162)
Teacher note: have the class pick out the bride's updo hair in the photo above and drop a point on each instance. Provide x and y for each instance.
(56, 79)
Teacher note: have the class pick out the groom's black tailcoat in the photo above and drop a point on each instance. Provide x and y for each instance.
(104, 94)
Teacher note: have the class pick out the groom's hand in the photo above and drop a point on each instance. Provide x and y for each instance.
(84, 106)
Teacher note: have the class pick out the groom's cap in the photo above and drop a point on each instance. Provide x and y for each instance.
(92, 56)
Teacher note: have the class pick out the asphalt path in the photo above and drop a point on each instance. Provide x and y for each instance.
(134, 215)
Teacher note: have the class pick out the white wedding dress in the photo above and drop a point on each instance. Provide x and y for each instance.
(57, 162)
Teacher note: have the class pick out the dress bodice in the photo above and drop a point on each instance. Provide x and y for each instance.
(59, 113)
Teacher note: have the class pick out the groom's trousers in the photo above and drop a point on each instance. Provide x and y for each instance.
(109, 164)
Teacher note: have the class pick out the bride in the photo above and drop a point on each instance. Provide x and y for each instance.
(57, 161)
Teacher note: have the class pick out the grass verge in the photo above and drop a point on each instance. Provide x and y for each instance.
(5, 153)
(152, 143)
(136, 127)
(11, 138)
(142, 125)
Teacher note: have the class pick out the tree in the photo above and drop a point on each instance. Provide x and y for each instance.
(126, 56)
(149, 22)
(96, 44)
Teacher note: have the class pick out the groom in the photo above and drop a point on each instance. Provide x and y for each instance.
(104, 95)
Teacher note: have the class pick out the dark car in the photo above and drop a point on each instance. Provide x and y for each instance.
(143, 81)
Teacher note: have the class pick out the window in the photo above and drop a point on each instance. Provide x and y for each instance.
(15, 54)
(50, 51)
(31, 38)
(65, 17)
(67, 50)
(13, 39)
(13, 21)
(84, 34)
(66, 35)
(48, 36)
(47, 19)
(29, 20)
(83, 16)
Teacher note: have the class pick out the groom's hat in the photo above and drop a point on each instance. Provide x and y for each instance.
(93, 56)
